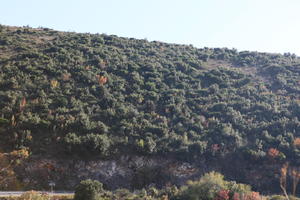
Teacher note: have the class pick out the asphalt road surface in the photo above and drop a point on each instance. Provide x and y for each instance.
(19, 193)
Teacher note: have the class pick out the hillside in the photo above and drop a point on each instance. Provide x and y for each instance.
(103, 97)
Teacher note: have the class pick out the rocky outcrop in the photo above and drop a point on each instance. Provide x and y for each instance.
(126, 172)
(136, 172)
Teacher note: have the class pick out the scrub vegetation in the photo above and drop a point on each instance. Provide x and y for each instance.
(98, 96)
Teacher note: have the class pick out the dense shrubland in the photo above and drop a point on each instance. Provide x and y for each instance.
(101, 96)
(211, 186)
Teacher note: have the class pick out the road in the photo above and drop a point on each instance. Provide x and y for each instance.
(19, 193)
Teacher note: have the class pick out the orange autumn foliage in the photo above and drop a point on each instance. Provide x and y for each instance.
(66, 77)
(21, 154)
(297, 142)
(273, 153)
(23, 104)
(283, 173)
(102, 80)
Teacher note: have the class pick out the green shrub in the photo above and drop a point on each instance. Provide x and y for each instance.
(88, 190)
(213, 186)
(239, 188)
(204, 189)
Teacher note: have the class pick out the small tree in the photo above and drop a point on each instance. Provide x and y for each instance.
(206, 188)
(88, 190)
(295, 174)
(283, 173)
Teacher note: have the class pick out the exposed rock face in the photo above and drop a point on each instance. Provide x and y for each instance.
(126, 172)
(136, 172)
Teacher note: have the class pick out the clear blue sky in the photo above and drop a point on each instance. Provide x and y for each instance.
(262, 25)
